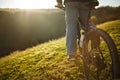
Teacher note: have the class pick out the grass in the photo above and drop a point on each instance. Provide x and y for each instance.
(48, 61)
(113, 28)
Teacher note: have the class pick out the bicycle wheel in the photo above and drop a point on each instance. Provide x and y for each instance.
(100, 57)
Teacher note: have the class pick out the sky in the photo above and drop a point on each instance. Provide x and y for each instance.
(42, 4)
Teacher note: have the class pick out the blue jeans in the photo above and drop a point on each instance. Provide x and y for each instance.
(73, 10)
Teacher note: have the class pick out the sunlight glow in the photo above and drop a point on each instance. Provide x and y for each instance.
(34, 4)
(45, 4)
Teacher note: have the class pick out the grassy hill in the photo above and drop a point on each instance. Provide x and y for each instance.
(113, 28)
(48, 61)
(29, 27)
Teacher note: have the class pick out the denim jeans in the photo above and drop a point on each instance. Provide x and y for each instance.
(73, 10)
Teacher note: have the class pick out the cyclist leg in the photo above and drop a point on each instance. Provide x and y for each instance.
(73, 10)
(84, 14)
(71, 27)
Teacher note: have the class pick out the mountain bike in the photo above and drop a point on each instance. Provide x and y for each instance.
(98, 53)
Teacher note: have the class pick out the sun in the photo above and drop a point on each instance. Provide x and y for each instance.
(34, 4)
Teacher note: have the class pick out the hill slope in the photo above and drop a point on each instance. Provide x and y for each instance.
(48, 61)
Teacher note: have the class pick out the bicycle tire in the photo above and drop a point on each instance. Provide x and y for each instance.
(115, 64)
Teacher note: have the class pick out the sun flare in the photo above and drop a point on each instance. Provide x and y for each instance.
(34, 4)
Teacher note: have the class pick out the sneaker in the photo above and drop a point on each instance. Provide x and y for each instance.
(71, 58)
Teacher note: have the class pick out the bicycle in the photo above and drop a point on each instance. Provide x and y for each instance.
(99, 61)
(99, 54)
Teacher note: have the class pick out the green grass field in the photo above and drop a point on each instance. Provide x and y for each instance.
(48, 61)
